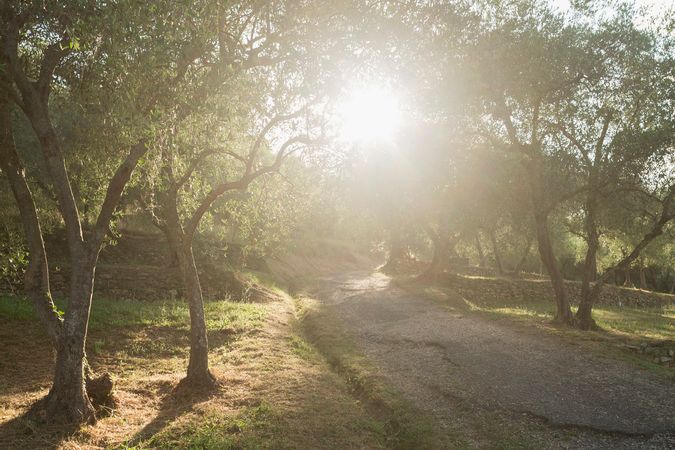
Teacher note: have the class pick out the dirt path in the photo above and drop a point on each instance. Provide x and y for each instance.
(434, 355)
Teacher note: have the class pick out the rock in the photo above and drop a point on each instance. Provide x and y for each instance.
(671, 352)
(666, 359)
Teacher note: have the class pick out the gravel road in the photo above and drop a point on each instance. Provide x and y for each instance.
(434, 354)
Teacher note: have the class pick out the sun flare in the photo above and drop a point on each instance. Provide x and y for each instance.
(369, 114)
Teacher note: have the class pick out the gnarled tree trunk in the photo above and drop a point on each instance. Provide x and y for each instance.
(36, 278)
(643, 277)
(627, 282)
(441, 253)
(68, 399)
(563, 310)
(536, 172)
(398, 251)
(532, 162)
(667, 214)
(526, 253)
(495, 253)
(584, 317)
(479, 249)
(198, 373)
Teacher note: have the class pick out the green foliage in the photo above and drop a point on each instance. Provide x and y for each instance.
(13, 259)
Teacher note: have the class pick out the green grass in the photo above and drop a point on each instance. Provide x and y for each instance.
(264, 279)
(108, 313)
(256, 427)
(652, 323)
(656, 323)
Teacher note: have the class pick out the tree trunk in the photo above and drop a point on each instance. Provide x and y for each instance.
(198, 373)
(594, 267)
(643, 278)
(584, 313)
(398, 252)
(441, 255)
(535, 172)
(523, 259)
(479, 248)
(627, 282)
(495, 252)
(67, 399)
(563, 310)
(656, 230)
(173, 258)
(36, 279)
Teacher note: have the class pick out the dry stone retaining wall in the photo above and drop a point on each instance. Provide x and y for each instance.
(495, 290)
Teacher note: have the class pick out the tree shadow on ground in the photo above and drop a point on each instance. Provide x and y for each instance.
(27, 358)
(176, 401)
(25, 431)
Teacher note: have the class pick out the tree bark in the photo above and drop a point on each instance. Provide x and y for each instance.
(584, 317)
(68, 400)
(36, 279)
(535, 173)
(198, 373)
(563, 310)
(519, 266)
(479, 249)
(398, 251)
(643, 278)
(441, 254)
(667, 214)
(532, 161)
(627, 282)
(495, 253)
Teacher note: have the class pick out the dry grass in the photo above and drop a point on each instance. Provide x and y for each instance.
(276, 391)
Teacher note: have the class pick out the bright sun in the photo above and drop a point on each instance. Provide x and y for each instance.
(369, 114)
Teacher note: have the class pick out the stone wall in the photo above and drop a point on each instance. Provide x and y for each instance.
(495, 290)
(152, 282)
(138, 267)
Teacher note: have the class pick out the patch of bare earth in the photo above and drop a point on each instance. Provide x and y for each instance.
(267, 365)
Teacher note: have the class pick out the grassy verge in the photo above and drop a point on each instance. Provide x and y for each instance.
(401, 425)
(107, 313)
(621, 327)
(276, 390)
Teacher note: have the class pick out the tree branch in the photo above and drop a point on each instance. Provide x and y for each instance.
(114, 192)
(504, 113)
(178, 184)
(667, 214)
(276, 120)
(52, 57)
(242, 183)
